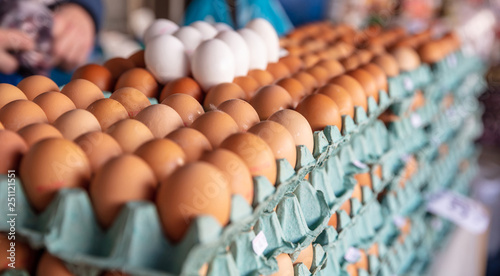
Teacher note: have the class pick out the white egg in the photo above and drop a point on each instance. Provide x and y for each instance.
(267, 32)
(190, 37)
(240, 51)
(166, 59)
(159, 27)
(257, 49)
(220, 27)
(207, 31)
(212, 63)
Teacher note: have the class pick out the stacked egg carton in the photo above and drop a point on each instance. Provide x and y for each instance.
(296, 213)
(409, 236)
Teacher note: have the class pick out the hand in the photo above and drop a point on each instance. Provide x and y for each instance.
(12, 40)
(74, 34)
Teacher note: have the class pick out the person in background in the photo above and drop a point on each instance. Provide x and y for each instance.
(72, 29)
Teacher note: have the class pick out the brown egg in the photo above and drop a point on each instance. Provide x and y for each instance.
(362, 262)
(82, 92)
(122, 179)
(132, 99)
(307, 80)
(255, 152)
(354, 89)
(161, 119)
(54, 104)
(138, 59)
(20, 113)
(195, 189)
(1, 126)
(378, 74)
(333, 67)
(163, 155)
(248, 84)
(270, 99)
(261, 76)
(309, 60)
(184, 85)
(242, 113)
(216, 126)
(295, 88)
(285, 265)
(38, 131)
(407, 58)
(16, 250)
(346, 207)
(76, 122)
(373, 250)
(340, 96)
(364, 56)
(130, 134)
(139, 79)
(350, 63)
(367, 81)
(352, 270)
(9, 93)
(192, 142)
(107, 112)
(320, 111)
(12, 149)
(186, 106)
(294, 50)
(418, 101)
(35, 85)
(97, 74)
(278, 70)
(387, 63)
(99, 148)
(319, 73)
(306, 256)
(357, 193)
(50, 165)
(118, 66)
(238, 174)
(293, 63)
(345, 50)
(221, 93)
(297, 125)
(431, 52)
(50, 265)
(364, 179)
(278, 138)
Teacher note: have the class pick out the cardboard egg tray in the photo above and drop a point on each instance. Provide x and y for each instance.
(290, 215)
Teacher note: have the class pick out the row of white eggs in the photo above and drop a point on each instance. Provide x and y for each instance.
(212, 53)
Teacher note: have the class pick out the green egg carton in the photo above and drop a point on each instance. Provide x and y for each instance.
(406, 83)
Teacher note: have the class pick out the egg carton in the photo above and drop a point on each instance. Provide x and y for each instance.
(406, 83)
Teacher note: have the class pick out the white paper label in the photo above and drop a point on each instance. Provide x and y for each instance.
(408, 84)
(416, 120)
(352, 255)
(359, 164)
(461, 210)
(452, 60)
(399, 221)
(259, 243)
(405, 158)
